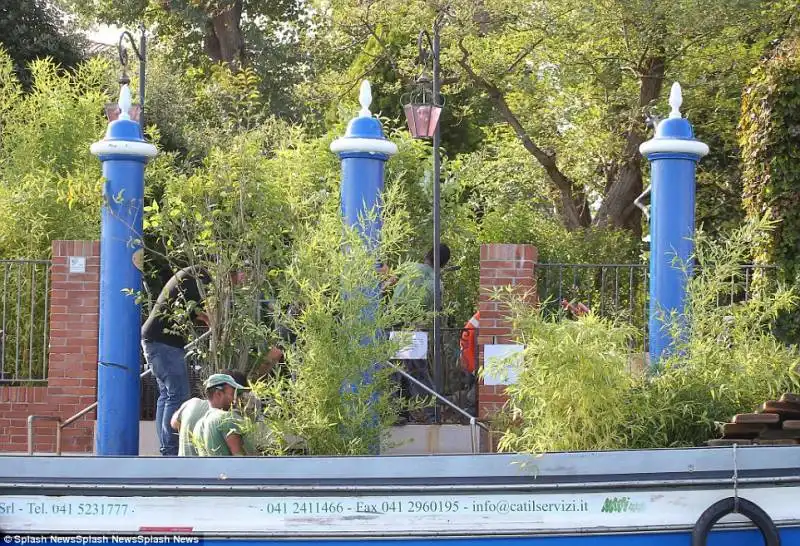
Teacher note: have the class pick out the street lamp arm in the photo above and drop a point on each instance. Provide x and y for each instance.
(123, 53)
(141, 55)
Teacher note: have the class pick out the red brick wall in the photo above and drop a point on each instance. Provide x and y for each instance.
(72, 364)
(501, 265)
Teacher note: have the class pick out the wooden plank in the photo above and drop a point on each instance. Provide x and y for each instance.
(728, 442)
(763, 418)
(779, 435)
(790, 397)
(742, 430)
(786, 410)
(791, 425)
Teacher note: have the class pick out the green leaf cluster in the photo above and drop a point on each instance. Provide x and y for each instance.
(581, 388)
(49, 182)
(33, 29)
(769, 137)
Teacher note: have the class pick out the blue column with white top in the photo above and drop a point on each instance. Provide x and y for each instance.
(124, 154)
(363, 152)
(673, 154)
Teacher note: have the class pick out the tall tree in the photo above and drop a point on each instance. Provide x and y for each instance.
(575, 79)
(222, 29)
(33, 29)
(257, 34)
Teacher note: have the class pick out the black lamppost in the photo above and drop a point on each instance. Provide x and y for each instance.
(423, 110)
(137, 111)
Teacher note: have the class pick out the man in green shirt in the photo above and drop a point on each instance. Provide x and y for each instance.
(189, 414)
(219, 431)
(184, 421)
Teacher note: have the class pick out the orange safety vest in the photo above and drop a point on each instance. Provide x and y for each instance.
(469, 347)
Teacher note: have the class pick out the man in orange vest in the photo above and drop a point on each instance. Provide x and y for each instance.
(464, 397)
(469, 345)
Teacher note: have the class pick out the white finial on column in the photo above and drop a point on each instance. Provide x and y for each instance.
(124, 102)
(365, 98)
(675, 100)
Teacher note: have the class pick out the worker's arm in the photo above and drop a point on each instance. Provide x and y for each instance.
(270, 360)
(175, 422)
(203, 317)
(235, 444)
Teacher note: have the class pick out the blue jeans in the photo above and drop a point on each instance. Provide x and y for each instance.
(169, 368)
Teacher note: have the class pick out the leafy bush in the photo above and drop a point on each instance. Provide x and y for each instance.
(340, 398)
(49, 182)
(576, 391)
(266, 203)
(568, 393)
(769, 131)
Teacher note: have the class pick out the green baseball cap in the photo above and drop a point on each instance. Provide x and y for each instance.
(219, 379)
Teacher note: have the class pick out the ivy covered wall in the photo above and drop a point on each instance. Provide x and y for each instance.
(770, 145)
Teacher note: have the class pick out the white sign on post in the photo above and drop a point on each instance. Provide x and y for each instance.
(501, 363)
(417, 347)
(77, 264)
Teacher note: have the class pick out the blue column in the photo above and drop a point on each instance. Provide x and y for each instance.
(364, 151)
(673, 154)
(124, 154)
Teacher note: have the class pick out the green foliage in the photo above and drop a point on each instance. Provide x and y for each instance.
(769, 135)
(572, 79)
(49, 183)
(34, 29)
(576, 390)
(340, 399)
(49, 189)
(524, 222)
(565, 361)
(197, 108)
(260, 35)
(267, 202)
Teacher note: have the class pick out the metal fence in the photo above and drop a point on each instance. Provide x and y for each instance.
(24, 307)
(621, 291)
(618, 291)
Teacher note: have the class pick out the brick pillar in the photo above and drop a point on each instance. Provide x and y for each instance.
(501, 265)
(72, 361)
(74, 315)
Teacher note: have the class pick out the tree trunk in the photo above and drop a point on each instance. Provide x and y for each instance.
(223, 40)
(618, 209)
(574, 207)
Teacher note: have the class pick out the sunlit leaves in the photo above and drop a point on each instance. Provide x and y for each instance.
(49, 182)
(576, 390)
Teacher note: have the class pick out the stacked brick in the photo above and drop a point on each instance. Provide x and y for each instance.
(72, 362)
(776, 422)
(502, 265)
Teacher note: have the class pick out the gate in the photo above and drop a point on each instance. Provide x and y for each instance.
(24, 308)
